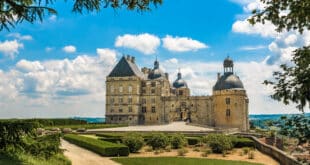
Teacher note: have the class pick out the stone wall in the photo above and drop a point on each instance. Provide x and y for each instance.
(277, 154)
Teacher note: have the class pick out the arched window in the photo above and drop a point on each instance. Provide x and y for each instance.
(227, 112)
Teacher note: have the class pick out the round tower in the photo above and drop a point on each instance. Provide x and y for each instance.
(230, 101)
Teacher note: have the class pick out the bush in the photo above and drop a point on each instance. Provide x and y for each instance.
(219, 143)
(251, 155)
(193, 140)
(158, 141)
(101, 147)
(239, 142)
(177, 141)
(133, 141)
(245, 150)
(182, 152)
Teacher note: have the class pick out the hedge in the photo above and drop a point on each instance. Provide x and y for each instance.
(193, 140)
(110, 135)
(103, 148)
(239, 142)
(112, 140)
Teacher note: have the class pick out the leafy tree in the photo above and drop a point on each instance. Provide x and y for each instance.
(134, 142)
(13, 12)
(219, 143)
(177, 141)
(297, 126)
(158, 141)
(293, 82)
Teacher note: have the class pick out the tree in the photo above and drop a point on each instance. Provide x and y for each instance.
(292, 84)
(297, 126)
(13, 12)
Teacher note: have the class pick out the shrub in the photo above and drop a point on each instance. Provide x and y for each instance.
(158, 141)
(206, 152)
(101, 147)
(239, 142)
(177, 141)
(251, 155)
(182, 151)
(193, 140)
(245, 150)
(218, 142)
(168, 149)
(148, 149)
(196, 149)
(133, 141)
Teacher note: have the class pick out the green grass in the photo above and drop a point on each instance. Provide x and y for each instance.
(24, 159)
(177, 161)
(87, 126)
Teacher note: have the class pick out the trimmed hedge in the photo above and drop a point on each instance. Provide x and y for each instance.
(193, 140)
(239, 142)
(105, 135)
(112, 140)
(101, 147)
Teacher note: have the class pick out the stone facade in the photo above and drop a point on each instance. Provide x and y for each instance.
(146, 97)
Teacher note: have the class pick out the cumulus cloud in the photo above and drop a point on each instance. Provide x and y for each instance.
(182, 44)
(19, 36)
(10, 48)
(264, 30)
(144, 43)
(69, 49)
(56, 88)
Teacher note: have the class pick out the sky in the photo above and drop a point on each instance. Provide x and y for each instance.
(58, 67)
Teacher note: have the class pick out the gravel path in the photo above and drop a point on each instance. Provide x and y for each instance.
(80, 156)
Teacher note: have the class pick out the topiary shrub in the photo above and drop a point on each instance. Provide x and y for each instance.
(219, 143)
(193, 140)
(158, 141)
(134, 142)
(177, 141)
(239, 142)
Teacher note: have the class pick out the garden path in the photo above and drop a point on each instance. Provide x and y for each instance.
(80, 156)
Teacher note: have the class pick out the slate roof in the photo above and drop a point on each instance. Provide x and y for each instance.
(228, 81)
(125, 68)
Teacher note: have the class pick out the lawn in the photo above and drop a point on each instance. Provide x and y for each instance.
(178, 161)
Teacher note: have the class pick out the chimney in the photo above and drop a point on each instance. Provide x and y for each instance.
(133, 59)
(218, 75)
(167, 76)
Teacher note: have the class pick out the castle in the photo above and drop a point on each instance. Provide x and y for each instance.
(145, 97)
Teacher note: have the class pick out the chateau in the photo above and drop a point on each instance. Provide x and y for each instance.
(145, 97)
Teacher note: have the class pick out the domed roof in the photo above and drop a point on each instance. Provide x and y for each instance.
(228, 62)
(179, 82)
(156, 72)
(228, 81)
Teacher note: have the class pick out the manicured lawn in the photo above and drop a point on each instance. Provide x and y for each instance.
(177, 161)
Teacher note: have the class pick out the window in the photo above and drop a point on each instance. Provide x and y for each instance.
(129, 109)
(227, 112)
(153, 84)
(180, 93)
(120, 110)
(153, 100)
(112, 100)
(112, 89)
(143, 91)
(227, 101)
(153, 110)
(112, 110)
(130, 118)
(111, 118)
(143, 109)
(129, 99)
(183, 104)
(120, 89)
(120, 100)
(143, 84)
(120, 118)
(153, 91)
(143, 101)
(129, 88)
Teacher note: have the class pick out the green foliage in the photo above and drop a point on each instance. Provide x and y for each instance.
(193, 140)
(296, 126)
(239, 142)
(26, 159)
(297, 17)
(158, 141)
(112, 140)
(219, 143)
(293, 83)
(178, 161)
(12, 133)
(134, 142)
(182, 151)
(177, 141)
(13, 12)
(101, 147)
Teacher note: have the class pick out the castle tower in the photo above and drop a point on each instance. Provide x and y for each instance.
(230, 101)
(180, 86)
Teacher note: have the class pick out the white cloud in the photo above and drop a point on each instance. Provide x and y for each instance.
(19, 36)
(56, 88)
(145, 43)
(10, 48)
(182, 44)
(264, 30)
(69, 49)
(52, 18)
(255, 47)
(172, 61)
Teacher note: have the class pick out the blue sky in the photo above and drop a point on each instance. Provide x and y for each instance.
(57, 68)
